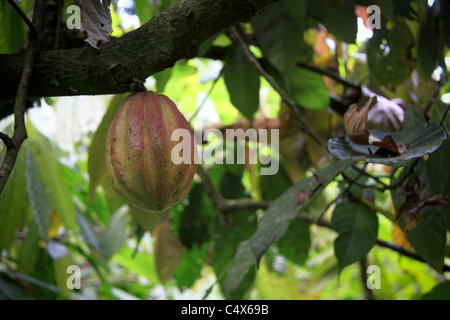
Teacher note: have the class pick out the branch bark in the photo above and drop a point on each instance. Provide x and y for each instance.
(158, 44)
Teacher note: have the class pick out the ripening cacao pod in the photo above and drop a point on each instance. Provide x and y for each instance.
(139, 148)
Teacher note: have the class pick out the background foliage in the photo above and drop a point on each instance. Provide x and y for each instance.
(305, 233)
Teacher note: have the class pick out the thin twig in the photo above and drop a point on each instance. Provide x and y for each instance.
(20, 131)
(24, 17)
(6, 140)
(445, 115)
(255, 63)
(330, 74)
(439, 85)
(204, 99)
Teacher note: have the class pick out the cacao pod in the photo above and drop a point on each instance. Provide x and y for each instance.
(138, 152)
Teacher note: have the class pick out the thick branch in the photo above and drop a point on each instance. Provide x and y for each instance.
(170, 36)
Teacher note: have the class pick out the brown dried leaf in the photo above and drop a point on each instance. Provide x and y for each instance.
(355, 121)
(388, 144)
(167, 250)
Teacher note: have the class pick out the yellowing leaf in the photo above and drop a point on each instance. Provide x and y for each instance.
(399, 237)
(168, 250)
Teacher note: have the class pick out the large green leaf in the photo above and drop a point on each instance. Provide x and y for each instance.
(13, 32)
(52, 178)
(430, 236)
(39, 202)
(242, 82)
(296, 242)
(274, 223)
(191, 264)
(439, 292)
(97, 161)
(279, 36)
(239, 226)
(357, 226)
(389, 53)
(197, 219)
(338, 16)
(137, 262)
(13, 202)
(419, 141)
(113, 237)
(307, 88)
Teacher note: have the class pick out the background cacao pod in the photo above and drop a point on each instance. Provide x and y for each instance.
(138, 152)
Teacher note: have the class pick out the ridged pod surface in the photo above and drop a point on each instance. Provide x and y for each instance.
(138, 152)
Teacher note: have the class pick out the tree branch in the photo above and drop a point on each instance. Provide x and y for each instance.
(168, 37)
(20, 131)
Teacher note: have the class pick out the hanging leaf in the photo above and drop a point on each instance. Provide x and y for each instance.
(242, 82)
(418, 141)
(279, 36)
(96, 21)
(357, 226)
(167, 251)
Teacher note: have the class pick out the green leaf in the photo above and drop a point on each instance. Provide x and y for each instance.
(13, 32)
(357, 226)
(13, 202)
(97, 160)
(297, 10)
(296, 242)
(162, 78)
(196, 224)
(430, 236)
(273, 186)
(113, 237)
(439, 292)
(37, 195)
(52, 178)
(279, 36)
(137, 262)
(60, 266)
(274, 223)
(242, 82)
(191, 264)
(338, 16)
(29, 251)
(420, 140)
(144, 11)
(307, 89)
(239, 226)
(389, 54)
